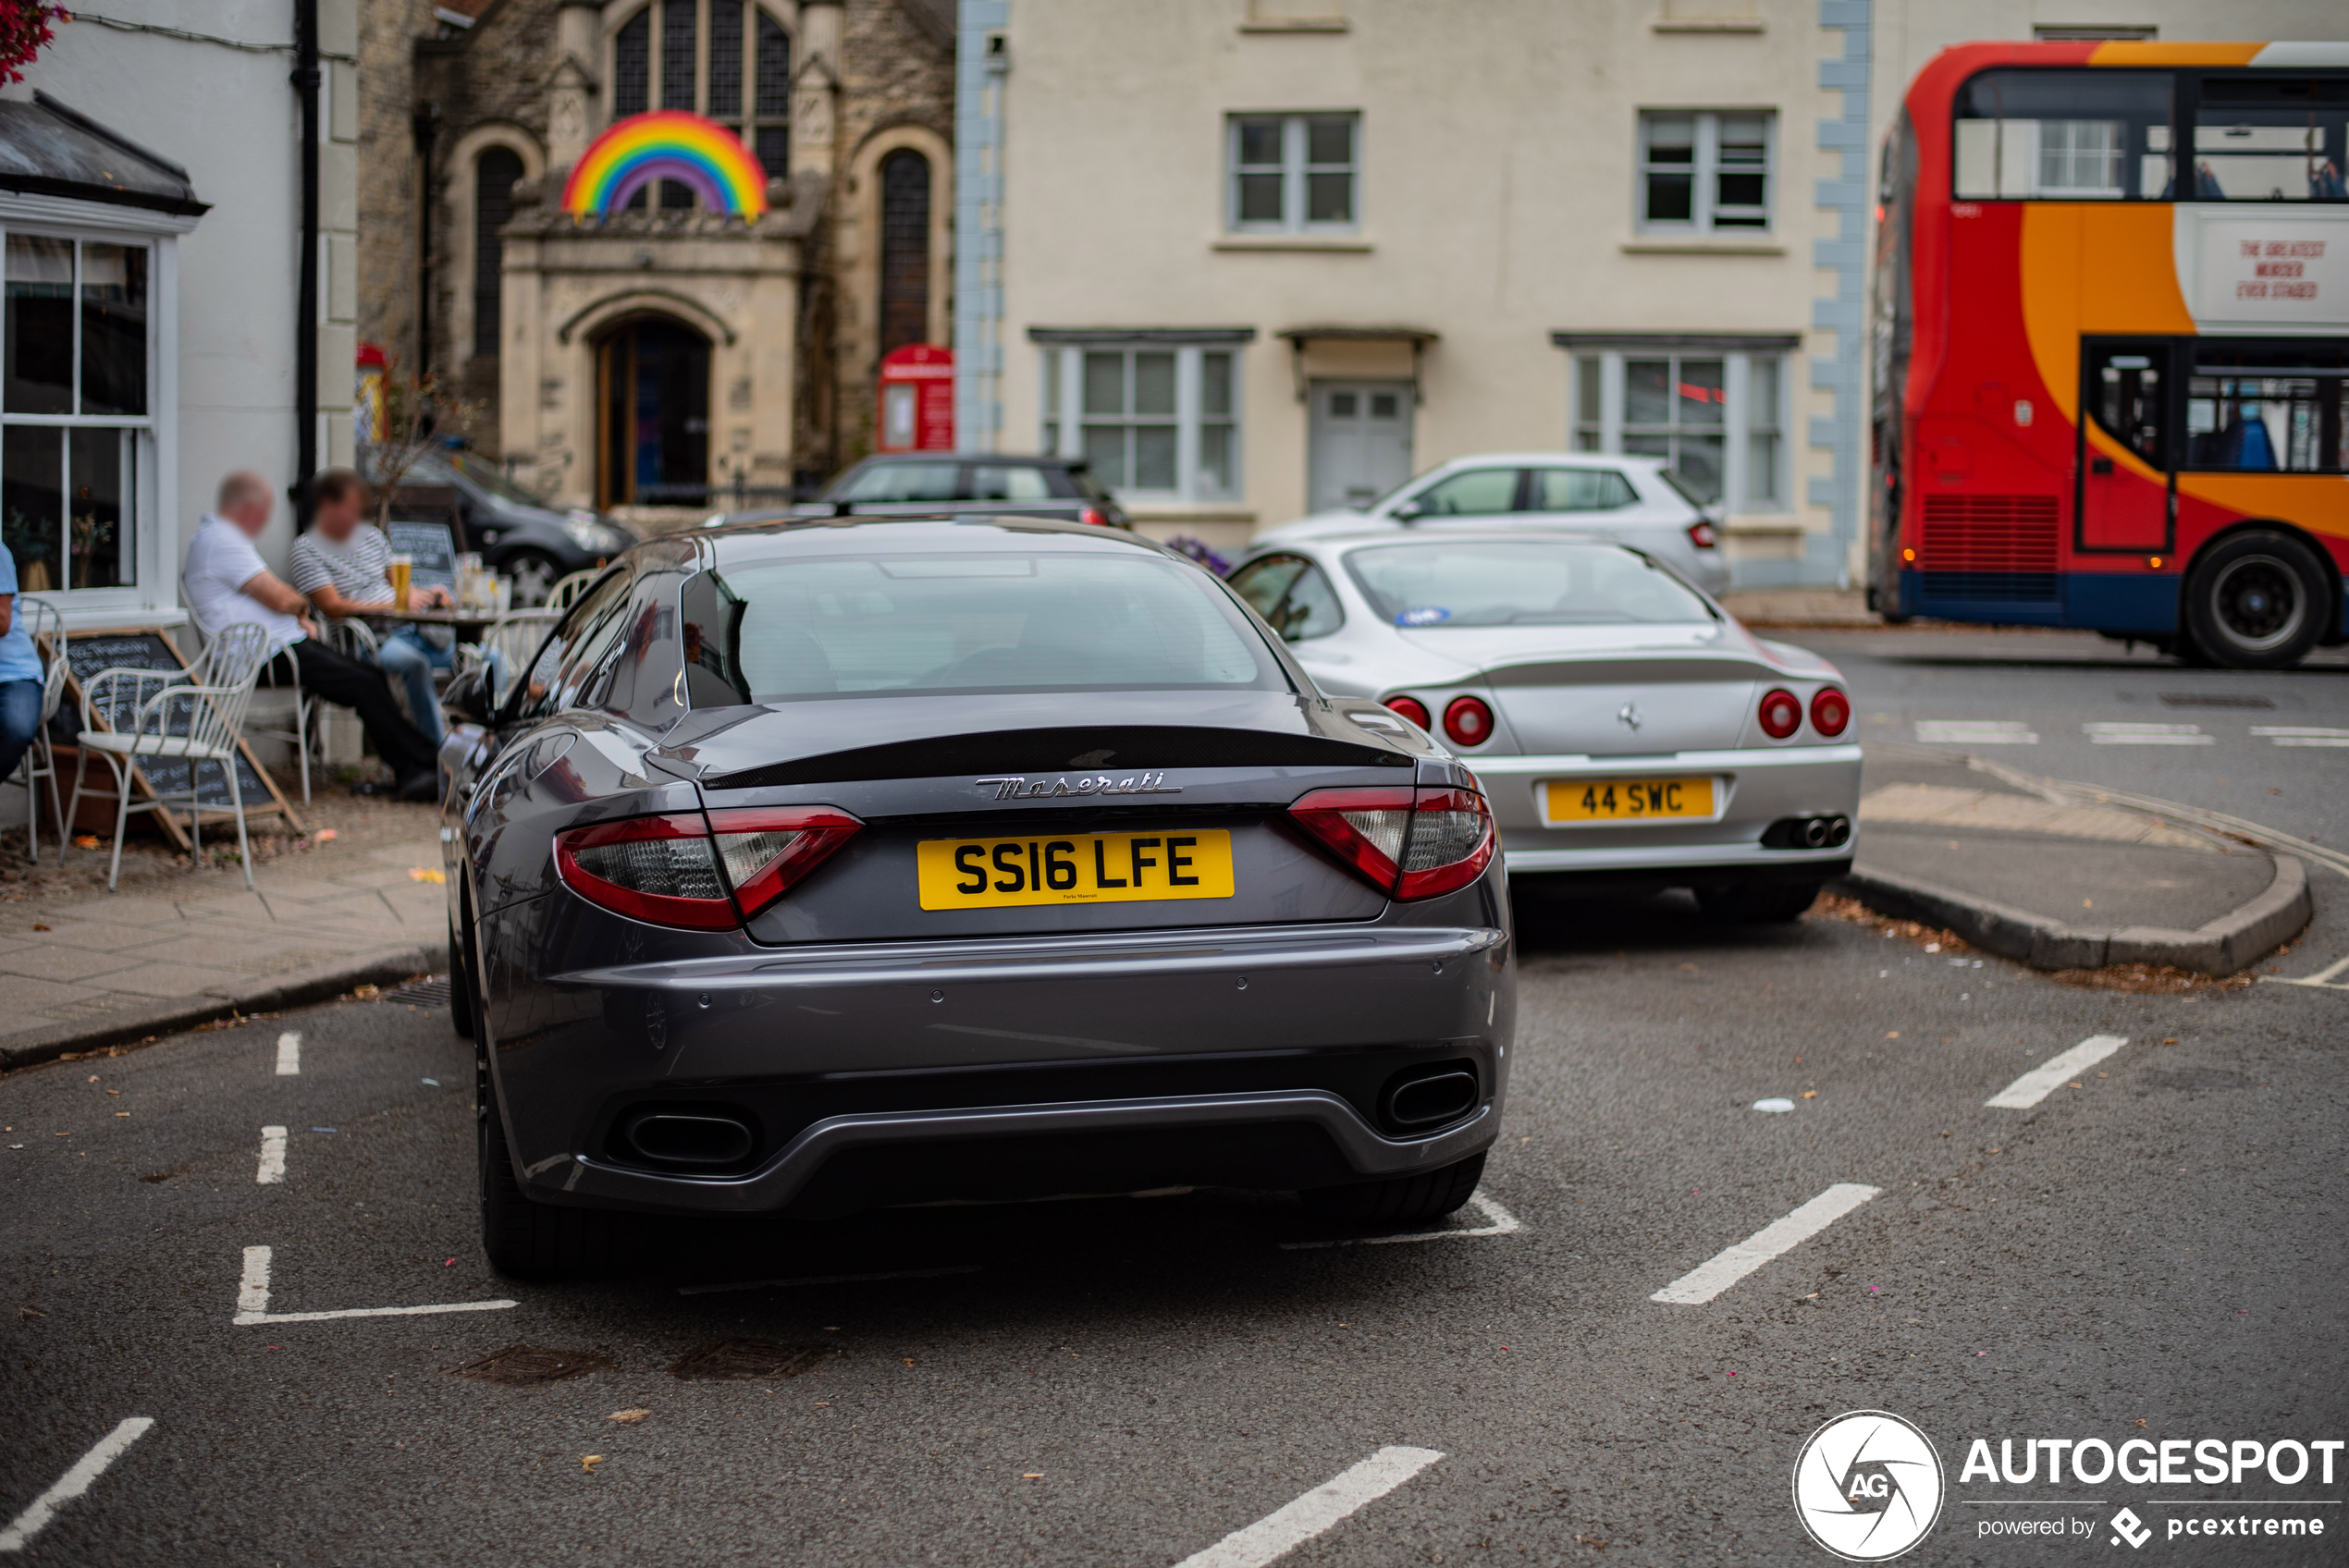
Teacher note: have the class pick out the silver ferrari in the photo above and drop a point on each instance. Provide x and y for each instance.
(1627, 731)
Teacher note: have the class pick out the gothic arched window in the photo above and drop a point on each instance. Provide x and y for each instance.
(904, 249)
(493, 175)
(736, 71)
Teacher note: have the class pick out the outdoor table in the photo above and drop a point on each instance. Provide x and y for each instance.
(469, 624)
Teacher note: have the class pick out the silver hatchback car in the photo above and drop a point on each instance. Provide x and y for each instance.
(1635, 501)
(845, 862)
(1626, 730)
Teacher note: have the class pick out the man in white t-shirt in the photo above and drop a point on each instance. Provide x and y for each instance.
(227, 584)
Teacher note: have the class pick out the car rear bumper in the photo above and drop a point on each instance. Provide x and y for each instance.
(1754, 787)
(1034, 1067)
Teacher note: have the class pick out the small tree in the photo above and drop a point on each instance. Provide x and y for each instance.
(25, 27)
(416, 410)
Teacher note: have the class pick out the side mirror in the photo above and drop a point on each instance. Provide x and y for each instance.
(468, 695)
(1407, 511)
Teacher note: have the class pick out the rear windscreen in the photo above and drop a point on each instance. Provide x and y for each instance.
(927, 625)
(1514, 583)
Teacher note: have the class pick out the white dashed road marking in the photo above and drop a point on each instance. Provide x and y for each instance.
(1974, 732)
(73, 1483)
(1709, 1279)
(272, 1156)
(2301, 735)
(2147, 735)
(2041, 1081)
(288, 1055)
(1293, 1525)
(1498, 1221)
(252, 1301)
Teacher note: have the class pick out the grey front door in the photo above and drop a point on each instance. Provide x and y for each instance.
(1361, 441)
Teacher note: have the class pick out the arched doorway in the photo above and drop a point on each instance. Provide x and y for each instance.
(652, 436)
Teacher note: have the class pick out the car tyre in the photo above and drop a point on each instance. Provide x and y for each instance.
(534, 574)
(1418, 1199)
(1757, 903)
(461, 980)
(535, 1241)
(2258, 600)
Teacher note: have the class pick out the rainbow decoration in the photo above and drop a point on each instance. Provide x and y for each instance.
(666, 144)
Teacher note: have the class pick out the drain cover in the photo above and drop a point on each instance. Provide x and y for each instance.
(2214, 700)
(530, 1366)
(747, 1361)
(431, 991)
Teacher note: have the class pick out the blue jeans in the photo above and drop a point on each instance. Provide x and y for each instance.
(409, 659)
(20, 718)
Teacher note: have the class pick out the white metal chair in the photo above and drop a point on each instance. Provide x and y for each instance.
(567, 589)
(515, 639)
(284, 675)
(41, 620)
(156, 715)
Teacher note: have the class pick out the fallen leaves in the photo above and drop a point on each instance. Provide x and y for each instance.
(589, 1461)
(426, 874)
(324, 836)
(628, 1417)
(1810, 1094)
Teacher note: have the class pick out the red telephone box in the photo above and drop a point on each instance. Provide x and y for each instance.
(917, 399)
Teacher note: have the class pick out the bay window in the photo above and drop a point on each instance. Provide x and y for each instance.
(76, 426)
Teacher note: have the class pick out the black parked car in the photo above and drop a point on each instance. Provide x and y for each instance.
(867, 862)
(519, 535)
(918, 483)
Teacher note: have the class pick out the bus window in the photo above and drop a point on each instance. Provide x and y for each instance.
(2124, 386)
(2063, 135)
(2267, 406)
(2261, 139)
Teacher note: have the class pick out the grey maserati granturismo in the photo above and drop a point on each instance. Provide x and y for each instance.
(837, 863)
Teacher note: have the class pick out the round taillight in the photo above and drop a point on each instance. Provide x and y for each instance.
(1467, 721)
(1830, 711)
(1781, 713)
(1412, 710)
(1702, 535)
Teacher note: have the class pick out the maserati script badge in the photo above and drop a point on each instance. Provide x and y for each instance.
(1016, 787)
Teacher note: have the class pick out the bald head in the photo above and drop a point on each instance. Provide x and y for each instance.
(245, 500)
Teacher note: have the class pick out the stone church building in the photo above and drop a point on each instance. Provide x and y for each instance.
(666, 357)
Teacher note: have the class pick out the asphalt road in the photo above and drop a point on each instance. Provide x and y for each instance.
(2156, 1253)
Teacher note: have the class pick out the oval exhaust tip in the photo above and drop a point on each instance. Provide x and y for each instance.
(1423, 1102)
(675, 1138)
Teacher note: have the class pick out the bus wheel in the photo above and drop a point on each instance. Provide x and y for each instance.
(2257, 601)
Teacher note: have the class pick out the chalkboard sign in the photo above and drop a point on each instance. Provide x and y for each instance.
(434, 548)
(87, 655)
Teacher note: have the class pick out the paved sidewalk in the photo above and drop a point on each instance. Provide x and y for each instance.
(2058, 884)
(80, 971)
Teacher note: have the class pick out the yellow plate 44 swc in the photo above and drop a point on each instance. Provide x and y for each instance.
(1625, 800)
(1074, 868)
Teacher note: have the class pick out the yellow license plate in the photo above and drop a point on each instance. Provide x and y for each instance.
(1074, 868)
(1625, 800)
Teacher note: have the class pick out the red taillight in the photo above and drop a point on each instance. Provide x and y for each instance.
(766, 849)
(673, 870)
(1412, 710)
(1093, 517)
(1467, 721)
(1701, 534)
(659, 869)
(1830, 711)
(1781, 713)
(1406, 843)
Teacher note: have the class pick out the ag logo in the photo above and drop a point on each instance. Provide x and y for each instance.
(1868, 1486)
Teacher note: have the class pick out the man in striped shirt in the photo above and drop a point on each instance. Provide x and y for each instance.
(344, 567)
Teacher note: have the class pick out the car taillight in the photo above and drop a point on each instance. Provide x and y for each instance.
(766, 849)
(1830, 711)
(659, 869)
(1093, 517)
(673, 870)
(1467, 721)
(1781, 713)
(1406, 843)
(1412, 710)
(1701, 534)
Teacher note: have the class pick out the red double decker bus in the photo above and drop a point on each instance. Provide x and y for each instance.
(2110, 343)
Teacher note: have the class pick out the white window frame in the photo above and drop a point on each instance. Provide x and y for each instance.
(1061, 418)
(1601, 429)
(148, 587)
(1705, 212)
(1293, 169)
